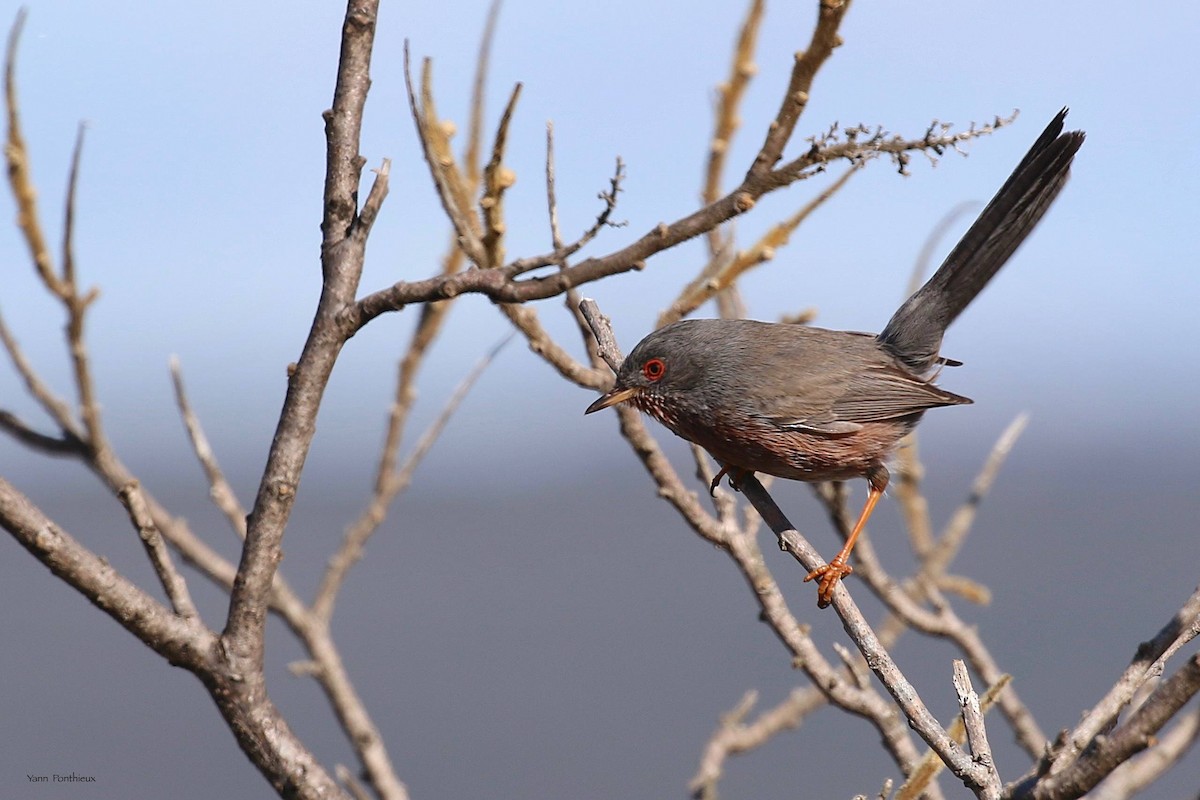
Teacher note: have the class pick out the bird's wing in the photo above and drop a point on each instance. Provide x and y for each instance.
(885, 392)
(880, 392)
(841, 380)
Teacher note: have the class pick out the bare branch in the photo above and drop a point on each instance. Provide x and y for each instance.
(160, 557)
(19, 178)
(342, 255)
(929, 248)
(601, 326)
(496, 181)
(733, 736)
(68, 245)
(729, 100)
(1134, 735)
(972, 717)
(375, 198)
(903, 601)
(960, 523)
(1133, 776)
(729, 270)
(483, 62)
(563, 252)
(571, 296)
(808, 62)
(51, 403)
(1148, 663)
(880, 662)
(503, 284)
(920, 780)
(219, 490)
(525, 319)
(65, 445)
(556, 240)
(182, 640)
(908, 474)
(435, 140)
(365, 526)
(355, 788)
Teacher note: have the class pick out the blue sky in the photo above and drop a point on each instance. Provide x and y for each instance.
(200, 195)
(199, 207)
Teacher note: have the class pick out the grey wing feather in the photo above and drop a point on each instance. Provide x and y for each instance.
(886, 393)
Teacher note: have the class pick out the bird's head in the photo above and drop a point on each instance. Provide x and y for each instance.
(662, 371)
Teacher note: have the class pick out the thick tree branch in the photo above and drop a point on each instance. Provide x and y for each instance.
(1109, 751)
(342, 254)
(181, 639)
(825, 38)
(504, 285)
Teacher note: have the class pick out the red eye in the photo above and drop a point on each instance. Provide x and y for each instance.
(654, 369)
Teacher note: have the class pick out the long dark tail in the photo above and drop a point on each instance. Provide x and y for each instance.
(914, 333)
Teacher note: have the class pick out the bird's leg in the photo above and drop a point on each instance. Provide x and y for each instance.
(735, 476)
(828, 575)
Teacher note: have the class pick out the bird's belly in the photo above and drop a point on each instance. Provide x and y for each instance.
(798, 454)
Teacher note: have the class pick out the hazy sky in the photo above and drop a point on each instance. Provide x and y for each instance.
(534, 624)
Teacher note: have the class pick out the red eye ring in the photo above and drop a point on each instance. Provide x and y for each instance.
(654, 369)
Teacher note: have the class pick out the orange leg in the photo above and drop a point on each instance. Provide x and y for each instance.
(735, 476)
(828, 575)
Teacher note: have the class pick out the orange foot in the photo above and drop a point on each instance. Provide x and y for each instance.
(827, 578)
(736, 474)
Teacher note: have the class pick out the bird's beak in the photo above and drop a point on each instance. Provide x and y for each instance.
(612, 398)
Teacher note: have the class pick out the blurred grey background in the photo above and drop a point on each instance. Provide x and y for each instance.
(532, 621)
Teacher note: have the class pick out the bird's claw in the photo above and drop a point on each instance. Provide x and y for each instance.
(735, 476)
(827, 577)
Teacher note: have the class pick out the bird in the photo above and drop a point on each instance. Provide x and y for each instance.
(811, 404)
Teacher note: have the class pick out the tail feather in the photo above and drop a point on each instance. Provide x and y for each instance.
(914, 333)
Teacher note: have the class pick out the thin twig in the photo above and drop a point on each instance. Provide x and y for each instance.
(183, 640)
(39, 390)
(601, 326)
(504, 285)
(364, 527)
(497, 179)
(728, 271)
(571, 296)
(160, 557)
(1148, 663)
(734, 736)
(562, 252)
(1134, 775)
(920, 780)
(446, 178)
(795, 99)
(726, 123)
(65, 445)
(525, 319)
(483, 63)
(729, 100)
(1135, 734)
(955, 534)
(68, 245)
(19, 178)
(219, 490)
(356, 789)
(976, 731)
(556, 240)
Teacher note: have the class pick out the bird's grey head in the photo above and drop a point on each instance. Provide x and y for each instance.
(665, 367)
